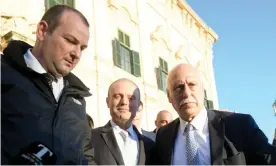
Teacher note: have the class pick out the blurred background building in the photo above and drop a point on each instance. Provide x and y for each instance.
(138, 39)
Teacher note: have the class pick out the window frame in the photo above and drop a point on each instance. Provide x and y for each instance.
(162, 69)
(48, 5)
(135, 62)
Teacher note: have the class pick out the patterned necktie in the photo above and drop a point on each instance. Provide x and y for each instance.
(191, 146)
(49, 80)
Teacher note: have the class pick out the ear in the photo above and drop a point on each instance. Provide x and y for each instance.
(141, 105)
(107, 103)
(155, 123)
(168, 95)
(41, 30)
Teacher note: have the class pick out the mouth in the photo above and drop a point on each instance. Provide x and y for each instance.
(185, 103)
(69, 63)
(122, 110)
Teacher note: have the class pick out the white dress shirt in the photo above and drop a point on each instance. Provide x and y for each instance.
(140, 130)
(34, 64)
(201, 132)
(128, 143)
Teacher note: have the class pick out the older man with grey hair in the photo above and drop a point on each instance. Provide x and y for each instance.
(206, 137)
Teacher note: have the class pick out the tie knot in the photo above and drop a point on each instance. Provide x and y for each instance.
(189, 127)
(49, 78)
(124, 134)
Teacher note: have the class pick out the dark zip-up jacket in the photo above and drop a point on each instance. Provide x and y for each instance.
(29, 112)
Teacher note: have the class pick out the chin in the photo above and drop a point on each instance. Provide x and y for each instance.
(187, 111)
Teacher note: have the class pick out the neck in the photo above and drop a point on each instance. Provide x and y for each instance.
(37, 53)
(123, 125)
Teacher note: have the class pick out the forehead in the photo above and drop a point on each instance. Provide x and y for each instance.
(124, 87)
(164, 115)
(183, 75)
(71, 23)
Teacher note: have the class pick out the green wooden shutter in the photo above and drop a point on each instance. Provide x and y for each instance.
(210, 104)
(206, 103)
(166, 66)
(70, 3)
(116, 53)
(136, 64)
(158, 78)
(205, 94)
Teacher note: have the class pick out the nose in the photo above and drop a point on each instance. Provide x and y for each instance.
(187, 91)
(76, 54)
(124, 100)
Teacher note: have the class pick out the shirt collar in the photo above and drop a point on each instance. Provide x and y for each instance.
(118, 129)
(198, 122)
(33, 63)
(139, 129)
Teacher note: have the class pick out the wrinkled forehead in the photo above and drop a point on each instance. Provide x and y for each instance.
(183, 75)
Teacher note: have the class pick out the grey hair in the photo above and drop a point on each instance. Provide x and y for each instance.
(173, 71)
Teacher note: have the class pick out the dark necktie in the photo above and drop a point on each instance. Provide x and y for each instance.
(48, 78)
(191, 146)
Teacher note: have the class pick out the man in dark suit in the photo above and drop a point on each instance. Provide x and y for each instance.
(206, 137)
(137, 123)
(119, 142)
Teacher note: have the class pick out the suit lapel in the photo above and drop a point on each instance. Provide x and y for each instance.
(170, 141)
(216, 131)
(142, 156)
(110, 140)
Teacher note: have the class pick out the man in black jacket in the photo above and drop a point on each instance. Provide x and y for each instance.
(41, 99)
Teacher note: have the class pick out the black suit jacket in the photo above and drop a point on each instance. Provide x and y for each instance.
(107, 151)
(149, 134)
(234, 139)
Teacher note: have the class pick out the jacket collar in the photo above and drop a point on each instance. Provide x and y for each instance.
(14, 55)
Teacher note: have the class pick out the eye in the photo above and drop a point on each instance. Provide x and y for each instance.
(131, 98)
(71, 41)
(116, 96)
(192, 84)
(178, 88)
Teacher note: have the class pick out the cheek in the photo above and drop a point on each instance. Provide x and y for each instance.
(199, 97)
(62, 49)
(76, 62)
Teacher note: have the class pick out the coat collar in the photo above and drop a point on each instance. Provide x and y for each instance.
(14, 55)
(110, 140)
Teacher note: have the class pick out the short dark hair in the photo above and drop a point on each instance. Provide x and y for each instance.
(90, 121)
(52, 16)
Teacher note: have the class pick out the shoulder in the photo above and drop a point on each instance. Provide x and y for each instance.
(147, 141)
(236, 119)
(231, 116)
(169, 127)
(97, 130)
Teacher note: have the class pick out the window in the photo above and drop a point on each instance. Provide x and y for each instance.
(50, 3)
(161, 74)
(124, 57)
(208, 103)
